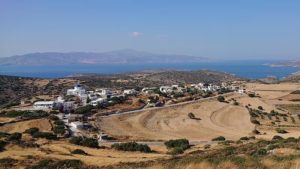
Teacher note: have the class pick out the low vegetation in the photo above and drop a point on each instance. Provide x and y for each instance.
(281, 131)
(85, 141)
(221, 99)
(79, 151)
(220, 138)
(24, 114)
(132, 146)
(50, 164)
(177, 146)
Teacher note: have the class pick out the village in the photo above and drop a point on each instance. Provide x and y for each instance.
(78, 107)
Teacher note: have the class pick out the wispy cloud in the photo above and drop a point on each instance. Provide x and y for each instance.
(136, 34)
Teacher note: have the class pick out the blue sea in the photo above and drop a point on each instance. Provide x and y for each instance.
(246, 69)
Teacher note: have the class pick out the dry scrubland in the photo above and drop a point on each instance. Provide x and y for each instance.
(228, 120)
(214, 119)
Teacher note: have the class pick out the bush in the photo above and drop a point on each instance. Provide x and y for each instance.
(7, 162)
(32, 130)
(24, 114)
(131, 146)
(84, 141)
(221, 98)
(191, 115)
(254, 121)
(220, 138)
(46, 135)
(14, 137)
(59, 129)
(176, 150)
(84, 109)
(59, 122)
(3, 134)
(251, 95)
(277, 138)
(260, 108)
(183, 143)
(2, 145)
(49, 164)
(244, 138)
(79, 151)
(281, 131)
(255, 131)
(53, 117)
(260, 152)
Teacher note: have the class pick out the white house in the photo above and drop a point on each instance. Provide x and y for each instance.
(166, 89)
(241, 91)
(105, 93)
(43, 105)
(148, 90)
(98, 101)
(77, 90)
(129, 92)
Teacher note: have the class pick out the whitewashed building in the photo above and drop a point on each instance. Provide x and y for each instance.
(129, 92)
(44, 105)
(76, 91)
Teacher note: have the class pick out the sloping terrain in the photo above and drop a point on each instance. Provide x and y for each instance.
(217, 119)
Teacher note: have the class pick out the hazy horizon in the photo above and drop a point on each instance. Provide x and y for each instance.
(225, 30)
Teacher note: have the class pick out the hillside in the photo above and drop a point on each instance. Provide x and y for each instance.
(13, 89)
(113, 57)
(155, 78)
(292, 78)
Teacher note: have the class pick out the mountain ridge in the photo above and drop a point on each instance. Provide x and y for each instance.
(124, 56)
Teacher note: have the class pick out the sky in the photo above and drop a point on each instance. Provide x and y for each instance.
(221, 29)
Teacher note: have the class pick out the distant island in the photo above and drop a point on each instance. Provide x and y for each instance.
(125, 56)
(293, 63)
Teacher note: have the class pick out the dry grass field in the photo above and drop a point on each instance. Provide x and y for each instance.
(42, 124)
(217, 119)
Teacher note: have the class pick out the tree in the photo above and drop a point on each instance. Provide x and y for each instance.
(221, 98)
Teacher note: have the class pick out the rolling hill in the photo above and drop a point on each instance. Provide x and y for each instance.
(124, 56)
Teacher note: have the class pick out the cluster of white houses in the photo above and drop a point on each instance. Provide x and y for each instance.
(96, 97)
(103, 95)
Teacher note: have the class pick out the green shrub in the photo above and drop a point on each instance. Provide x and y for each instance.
(32, 130)
(260, 152)
(53, 117)
(281, 131)
(84, 109)
(220, 138)
(3, 134)
(251, 95)
(2, 145)
(277, 138)
(46, 135)
(7, 162)
(183, 143)
(14, 137)
(24, 114)
(79, 151)
(59, 129)
(244, 138)
(254, 121)
(63, 164)
(59, 122)
(260, 108)
(84, 141)
(221, 98)
(131, 146)
(176, 150)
